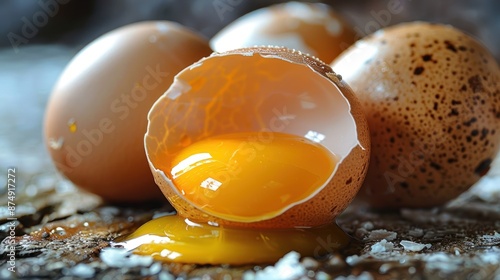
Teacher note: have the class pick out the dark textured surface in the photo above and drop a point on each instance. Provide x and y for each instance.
(60, 232)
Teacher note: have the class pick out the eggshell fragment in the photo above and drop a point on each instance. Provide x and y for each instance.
(96, 116)
(313, 28)
(265, 90)
(432, 98)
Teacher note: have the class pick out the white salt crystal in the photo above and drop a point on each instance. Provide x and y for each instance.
(442, 262)
(119, 257)
(83, 271)
(491, 238)
(414, 246)
(367, 225)
(353, 260)
(382, 247)
(287, 268)
(490, 258)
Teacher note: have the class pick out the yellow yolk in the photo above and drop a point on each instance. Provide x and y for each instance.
(175, 239)
(242, 177)
(248, 177)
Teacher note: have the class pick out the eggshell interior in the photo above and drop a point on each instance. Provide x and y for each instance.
(263, 90)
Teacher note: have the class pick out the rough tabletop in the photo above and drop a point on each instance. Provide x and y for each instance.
(60, 232)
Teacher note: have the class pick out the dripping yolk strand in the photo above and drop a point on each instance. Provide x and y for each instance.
(246, 177)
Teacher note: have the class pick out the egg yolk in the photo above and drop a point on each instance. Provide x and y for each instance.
(176, 239)
(248, 177)
(243, 177)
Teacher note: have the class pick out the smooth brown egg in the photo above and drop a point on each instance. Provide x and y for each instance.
(431, 95)
(96, 116)
(313, 28)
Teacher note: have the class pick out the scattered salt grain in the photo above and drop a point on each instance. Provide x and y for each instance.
(119, 257)
(320, 275)
(442, 262)
(493, 238)
(310, 263)
(286, 268)
(492, 258)
(155, 268)
(382, 247)
(367, 225)
(83, 271)
(380, 234)
(336, 261)
(414, 246)
(353, 260)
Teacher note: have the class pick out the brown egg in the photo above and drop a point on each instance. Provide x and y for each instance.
(96, 116)
(431, 95)
(312, 28)
(259, 137)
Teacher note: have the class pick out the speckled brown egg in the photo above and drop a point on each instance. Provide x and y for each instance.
(431, 95)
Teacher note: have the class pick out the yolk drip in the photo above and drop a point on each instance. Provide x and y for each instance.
(248, 177)
(175, 239)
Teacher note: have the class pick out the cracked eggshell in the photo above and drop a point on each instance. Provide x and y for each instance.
(262, 89)
(97, 114)
(431, 95)
(313, 28)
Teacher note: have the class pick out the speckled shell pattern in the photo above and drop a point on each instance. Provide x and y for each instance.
(431, 95)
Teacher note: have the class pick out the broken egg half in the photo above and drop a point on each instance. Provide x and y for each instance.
(258, 150)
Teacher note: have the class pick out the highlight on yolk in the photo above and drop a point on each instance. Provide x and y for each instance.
(250, 176)
(176, 239)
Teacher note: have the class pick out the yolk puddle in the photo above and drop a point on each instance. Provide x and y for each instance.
(248, 177)
(243, 177)
(175, 239)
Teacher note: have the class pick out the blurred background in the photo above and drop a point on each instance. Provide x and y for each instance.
(77, 22)
(39, 37)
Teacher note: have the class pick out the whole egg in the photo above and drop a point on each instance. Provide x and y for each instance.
(431, 95)
(313, 28)
(96, 116)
